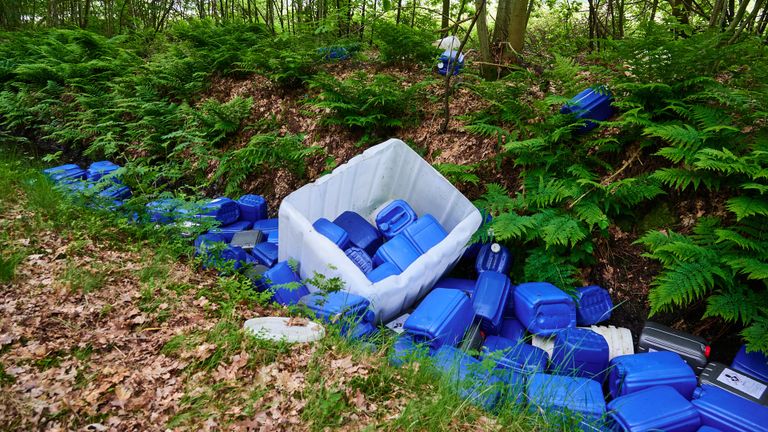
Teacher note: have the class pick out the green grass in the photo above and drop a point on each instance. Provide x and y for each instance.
(8, 266)
(84, 280)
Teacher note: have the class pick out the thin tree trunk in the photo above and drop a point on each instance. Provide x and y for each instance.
(444, 18)
(739, 16)
(399, 8)
(750, 19)
(454, 64)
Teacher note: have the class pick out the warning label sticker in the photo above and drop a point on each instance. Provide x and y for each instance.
(396, 325)
(742, 383)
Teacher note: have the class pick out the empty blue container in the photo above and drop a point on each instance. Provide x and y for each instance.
(593, 305)
(512, 329)
(441, 318)
(446, 60)
(515, 355)
(471, 381)
(333, 53)
(266, 226)
(636, 372)
(66, 172)
(361, 330)
(265, 253)
(273, 237)
(399, 251)
(574, 396)
(361, 233)
(341, 307)
(223, 209)
(228, 231)
(333, 232)
(708, 429)
(285, 284)
(728, 412)
(580, 352)
(360, 258)
(394, 218)
(465, 285)
(543, 308)
(659, 408)
(252, 207)
(97, 170)
(493, 257)
(382, 272)
(590, 104)
(754, 364)
(205, 241)
(489, 300)
(425, 233)
(163, 211)
(406, 349)
(116, 192)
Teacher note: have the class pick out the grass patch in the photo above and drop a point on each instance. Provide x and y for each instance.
(8, 266)
(84, 280)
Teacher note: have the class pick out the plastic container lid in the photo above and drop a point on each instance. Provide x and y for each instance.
(282, 328)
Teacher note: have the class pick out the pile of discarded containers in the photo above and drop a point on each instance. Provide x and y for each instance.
(100, 181)
(533, 344)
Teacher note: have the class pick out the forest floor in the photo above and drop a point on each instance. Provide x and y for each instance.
(102, 331)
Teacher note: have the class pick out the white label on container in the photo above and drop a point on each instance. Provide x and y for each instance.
(396, 325)
(742, 383)
(651, 350)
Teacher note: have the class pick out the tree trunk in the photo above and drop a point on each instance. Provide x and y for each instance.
(486, 70)
(739, 16)
(444, 18)
(399, 8)
(750, 19)
(516, 32)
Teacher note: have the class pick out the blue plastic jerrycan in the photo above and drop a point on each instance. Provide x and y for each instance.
(333, 232)
(223, 209)
(489, 300)
(394, 218)
(659, 408)
(493, 257)
(441, 318)
(100, 169)
(361, 233)
(580, 352)
(543, 308)
(590, 104)
(593, 305)
(252, 207)
(285, 284)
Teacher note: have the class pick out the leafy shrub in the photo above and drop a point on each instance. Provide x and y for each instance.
(264, 152)
(374, 105)
(401, 43)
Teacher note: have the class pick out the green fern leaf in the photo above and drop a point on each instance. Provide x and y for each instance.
(744, 206)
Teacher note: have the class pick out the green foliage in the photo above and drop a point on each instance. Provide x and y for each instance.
(374, 105)
(263, 152)
(458, 173)
(402, 43)
(725, 265)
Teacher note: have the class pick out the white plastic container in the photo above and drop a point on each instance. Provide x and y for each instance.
(619, 340)
(388, 171)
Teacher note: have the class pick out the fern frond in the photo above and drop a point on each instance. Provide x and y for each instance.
(744, 206)
(681, 178)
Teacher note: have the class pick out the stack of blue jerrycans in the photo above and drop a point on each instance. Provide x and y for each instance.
(593, 103)
(100, 183)
(387, 249)
(242, 237)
